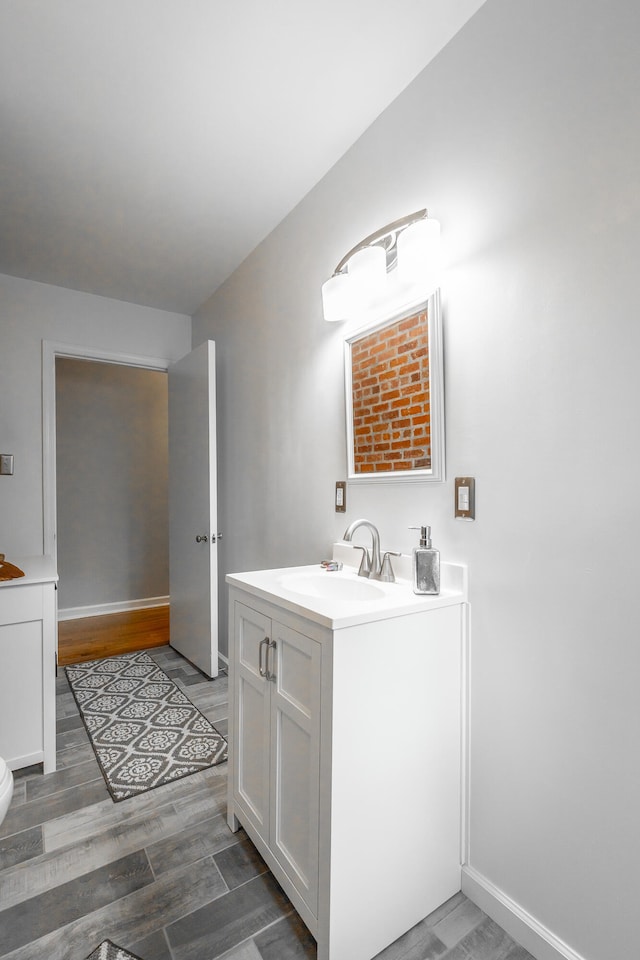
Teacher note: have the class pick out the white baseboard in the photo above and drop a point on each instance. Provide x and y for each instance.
(101, 609)
(532, 935)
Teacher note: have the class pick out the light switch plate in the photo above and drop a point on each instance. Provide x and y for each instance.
(341, 496)
(6, 464)
(465, 498)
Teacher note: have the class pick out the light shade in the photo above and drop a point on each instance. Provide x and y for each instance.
(418, 249)
(336, 298)
(362, 287)
(368, 273)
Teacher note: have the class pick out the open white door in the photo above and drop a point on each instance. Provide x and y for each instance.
(193, 567)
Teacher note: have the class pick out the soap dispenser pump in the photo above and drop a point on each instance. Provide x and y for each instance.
(426, 564)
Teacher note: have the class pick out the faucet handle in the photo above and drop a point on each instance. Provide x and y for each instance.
(364, 570)
(386, 572)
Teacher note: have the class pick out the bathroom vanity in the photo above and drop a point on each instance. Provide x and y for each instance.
(28, 647)
(346, 728)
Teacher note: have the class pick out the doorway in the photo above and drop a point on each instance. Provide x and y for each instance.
(105, 479)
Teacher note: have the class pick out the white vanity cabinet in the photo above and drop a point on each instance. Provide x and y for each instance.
(28, 647)
(346, 730)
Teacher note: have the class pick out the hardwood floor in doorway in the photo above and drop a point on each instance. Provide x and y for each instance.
(92, 638)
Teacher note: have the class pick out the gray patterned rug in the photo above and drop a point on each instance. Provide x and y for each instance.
(145, 732)
(108, 951)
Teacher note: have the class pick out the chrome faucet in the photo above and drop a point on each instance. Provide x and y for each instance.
(370, 567)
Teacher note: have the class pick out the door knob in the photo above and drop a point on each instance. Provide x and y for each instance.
(203, 539)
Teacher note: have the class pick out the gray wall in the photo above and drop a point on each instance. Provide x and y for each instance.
(30, 313)
(523, 139)
(112, 483)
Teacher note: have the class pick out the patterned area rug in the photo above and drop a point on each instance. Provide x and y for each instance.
(145, 732)
(108, 951)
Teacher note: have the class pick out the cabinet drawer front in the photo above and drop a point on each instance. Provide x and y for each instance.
(19, 604)
(253, 628)
(298, 670)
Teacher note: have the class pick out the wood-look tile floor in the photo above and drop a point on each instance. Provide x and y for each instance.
(161, 874)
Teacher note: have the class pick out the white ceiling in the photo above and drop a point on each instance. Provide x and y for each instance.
(147, 146)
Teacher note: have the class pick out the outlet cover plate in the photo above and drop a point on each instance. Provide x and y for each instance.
(465, 501)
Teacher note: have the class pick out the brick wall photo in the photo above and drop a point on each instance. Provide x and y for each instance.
(390, 395)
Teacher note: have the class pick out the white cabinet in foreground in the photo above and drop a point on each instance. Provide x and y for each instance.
(345, 756)
(28, 647)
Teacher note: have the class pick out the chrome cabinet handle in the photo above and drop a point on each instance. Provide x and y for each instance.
(264, 668)
(273, 676)
(202, 539)
(261, 670)
(270, 673)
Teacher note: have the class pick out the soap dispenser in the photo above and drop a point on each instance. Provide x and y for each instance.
(426, 564)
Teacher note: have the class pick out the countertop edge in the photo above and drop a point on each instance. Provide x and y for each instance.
(338, 618)
(37, 569)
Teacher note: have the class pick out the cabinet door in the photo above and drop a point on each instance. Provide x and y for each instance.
(295, 758)
(22, 654)
(251, 708)
(21, 693)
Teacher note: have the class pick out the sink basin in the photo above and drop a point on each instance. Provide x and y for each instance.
(332, 586)
(340, 598)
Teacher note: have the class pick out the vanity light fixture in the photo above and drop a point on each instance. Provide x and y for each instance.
(393, 267)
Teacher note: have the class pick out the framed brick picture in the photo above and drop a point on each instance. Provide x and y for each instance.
(394, 397)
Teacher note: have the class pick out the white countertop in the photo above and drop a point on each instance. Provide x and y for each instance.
(391, 599)
(36, 570)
